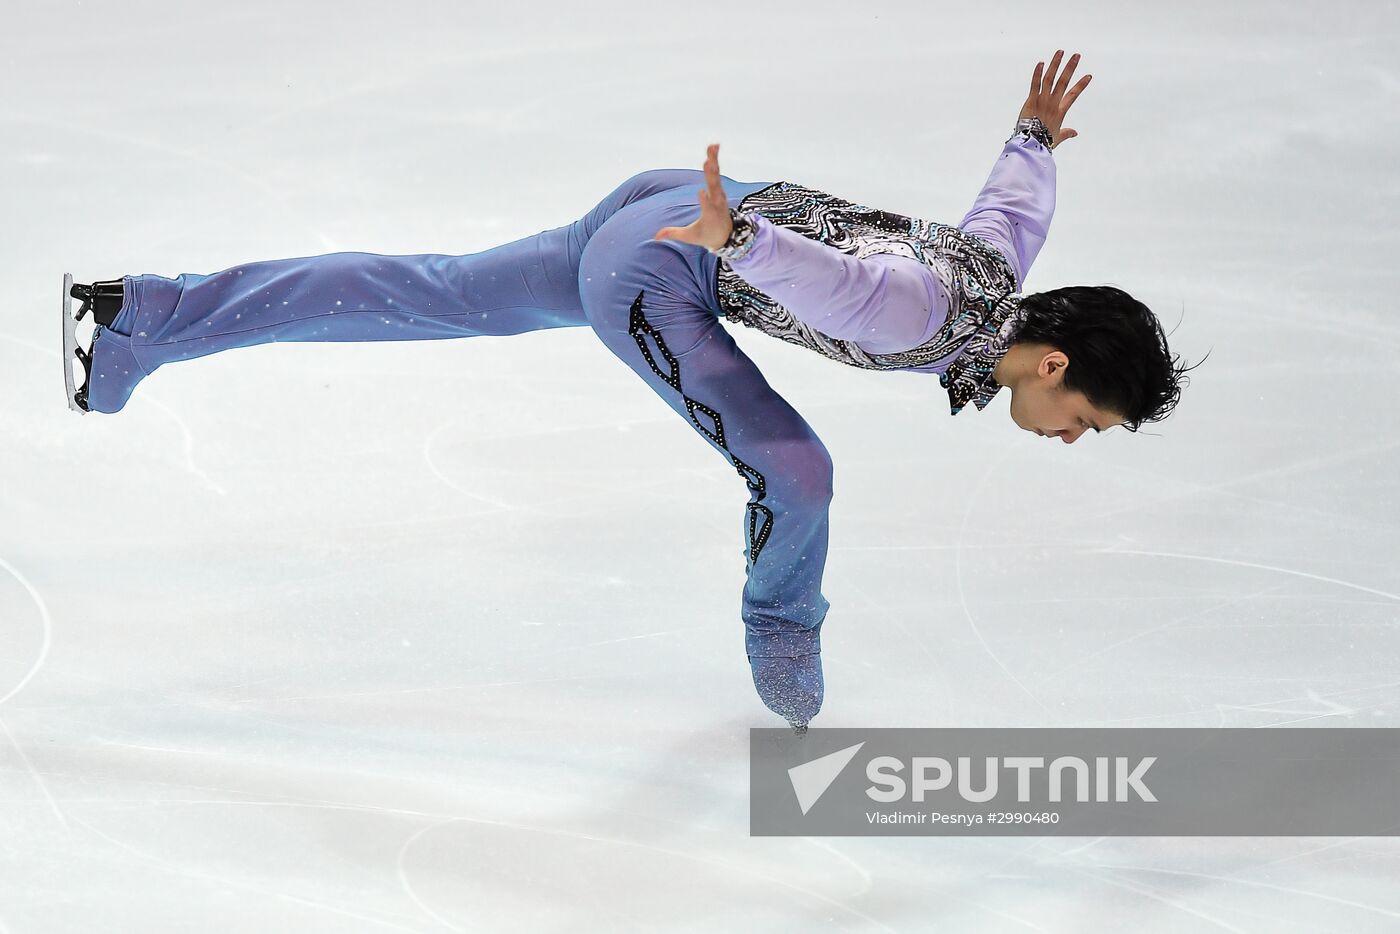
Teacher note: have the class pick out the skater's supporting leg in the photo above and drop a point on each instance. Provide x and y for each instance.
(644, 301)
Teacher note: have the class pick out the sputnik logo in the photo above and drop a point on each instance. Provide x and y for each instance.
(810, 780)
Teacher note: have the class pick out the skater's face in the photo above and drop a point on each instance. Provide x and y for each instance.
(1041, 404)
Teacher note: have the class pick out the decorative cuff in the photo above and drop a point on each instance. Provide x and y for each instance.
(1033, 127)
(741, 238)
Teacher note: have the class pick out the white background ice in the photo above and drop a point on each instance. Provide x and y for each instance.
(434, 636)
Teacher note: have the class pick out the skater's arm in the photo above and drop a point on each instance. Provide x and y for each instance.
(1013, 210)
(882, 302)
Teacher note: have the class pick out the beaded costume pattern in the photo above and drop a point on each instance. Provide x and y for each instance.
(706, 421)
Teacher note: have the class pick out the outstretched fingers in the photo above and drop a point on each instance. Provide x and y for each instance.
(1050, 88)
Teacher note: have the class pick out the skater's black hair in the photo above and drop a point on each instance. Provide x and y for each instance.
(1118, 353)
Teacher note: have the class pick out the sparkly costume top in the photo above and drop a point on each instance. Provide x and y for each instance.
(856, 284)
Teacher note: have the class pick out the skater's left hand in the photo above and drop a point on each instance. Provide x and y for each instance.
(711, 230)
(1049, 100)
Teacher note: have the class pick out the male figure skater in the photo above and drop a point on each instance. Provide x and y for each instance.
(865, 287)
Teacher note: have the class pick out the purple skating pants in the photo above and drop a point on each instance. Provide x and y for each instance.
(651, 302)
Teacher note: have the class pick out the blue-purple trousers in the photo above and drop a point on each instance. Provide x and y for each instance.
(652, 302)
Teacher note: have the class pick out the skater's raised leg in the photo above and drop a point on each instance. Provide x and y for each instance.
(526, 285)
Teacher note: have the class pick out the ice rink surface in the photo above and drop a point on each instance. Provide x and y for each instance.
(444, 635)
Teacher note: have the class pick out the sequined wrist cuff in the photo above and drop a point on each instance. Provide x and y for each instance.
(741, 238)
(1036, 129)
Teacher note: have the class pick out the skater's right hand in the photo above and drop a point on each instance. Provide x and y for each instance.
(712, 228)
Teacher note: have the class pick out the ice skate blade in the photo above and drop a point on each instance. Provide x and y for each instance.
(798, 727)
(70, 344)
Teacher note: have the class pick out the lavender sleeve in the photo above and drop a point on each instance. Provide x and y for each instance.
(1013, 210)
(885, 303)
(882, 303)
